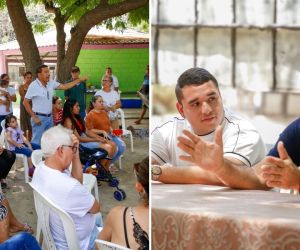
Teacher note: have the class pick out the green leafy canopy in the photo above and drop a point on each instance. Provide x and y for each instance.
(74, 9)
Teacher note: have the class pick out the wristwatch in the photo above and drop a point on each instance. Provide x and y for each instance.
(155, 172)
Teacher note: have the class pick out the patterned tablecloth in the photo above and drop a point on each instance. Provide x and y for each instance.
(212, 217)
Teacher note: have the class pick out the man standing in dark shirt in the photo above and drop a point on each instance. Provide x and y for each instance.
(78, 91)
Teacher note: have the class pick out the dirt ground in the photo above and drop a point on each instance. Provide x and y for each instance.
(20, 194)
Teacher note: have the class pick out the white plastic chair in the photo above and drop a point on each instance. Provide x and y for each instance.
(89, 181)
(106, 245)
(123, 125)
(36, 156)
(24, 157)
(43, 206)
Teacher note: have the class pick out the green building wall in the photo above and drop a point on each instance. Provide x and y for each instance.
(128, 66)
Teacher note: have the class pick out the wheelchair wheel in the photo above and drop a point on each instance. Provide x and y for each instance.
(119, 195)
(114, 182)
(123, 193)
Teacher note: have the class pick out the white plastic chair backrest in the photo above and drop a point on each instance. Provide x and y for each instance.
(3, 133)
(122, 115)
(43, 206)
(36, 156)
(3, 125)
(106, 245)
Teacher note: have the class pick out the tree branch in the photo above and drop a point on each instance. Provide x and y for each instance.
(49, 6)
(103, 3)
(105, 11)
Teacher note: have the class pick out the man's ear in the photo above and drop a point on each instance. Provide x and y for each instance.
(60, 150)
(180, 109)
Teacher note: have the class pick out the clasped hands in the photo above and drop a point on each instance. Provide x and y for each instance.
(280, 172)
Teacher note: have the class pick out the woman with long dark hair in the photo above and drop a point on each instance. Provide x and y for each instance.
(97, 121)
(72, 120)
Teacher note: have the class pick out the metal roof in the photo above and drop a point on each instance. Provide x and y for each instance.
(97, 35)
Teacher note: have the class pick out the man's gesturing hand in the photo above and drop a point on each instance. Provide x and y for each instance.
(207, 155)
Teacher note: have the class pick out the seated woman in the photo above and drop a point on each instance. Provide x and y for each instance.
(7, 159)
(17, 142)
(72, 120)
(57, 110)
(9, 225)
(97, 121)
(111, 100)
(135, 219)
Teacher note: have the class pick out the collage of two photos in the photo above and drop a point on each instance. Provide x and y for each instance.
(135, 124)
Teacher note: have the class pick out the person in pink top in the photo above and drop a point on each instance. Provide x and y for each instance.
(17, 142)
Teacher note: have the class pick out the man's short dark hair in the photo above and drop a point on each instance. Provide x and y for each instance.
(193, 76)
(75, 69)
(3, 75)
(40, 68)
(27, 73)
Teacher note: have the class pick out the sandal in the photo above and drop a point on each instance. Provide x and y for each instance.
(26, 228)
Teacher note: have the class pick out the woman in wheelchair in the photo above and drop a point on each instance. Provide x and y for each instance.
(88, 139)
(97, 121)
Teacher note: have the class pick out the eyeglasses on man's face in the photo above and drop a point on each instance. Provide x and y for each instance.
(74, 148)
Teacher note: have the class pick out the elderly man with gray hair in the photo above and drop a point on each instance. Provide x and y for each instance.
(64, 188)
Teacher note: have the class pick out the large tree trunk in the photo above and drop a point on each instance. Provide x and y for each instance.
(60, 22)
(24, 35)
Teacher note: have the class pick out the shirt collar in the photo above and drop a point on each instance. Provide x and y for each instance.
(39, 82)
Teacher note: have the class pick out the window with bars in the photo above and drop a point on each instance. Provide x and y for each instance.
(248, 44)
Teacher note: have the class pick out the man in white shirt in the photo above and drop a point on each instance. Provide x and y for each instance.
(64, 188)
(40, 92)
(115, 82)
(200, 105)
